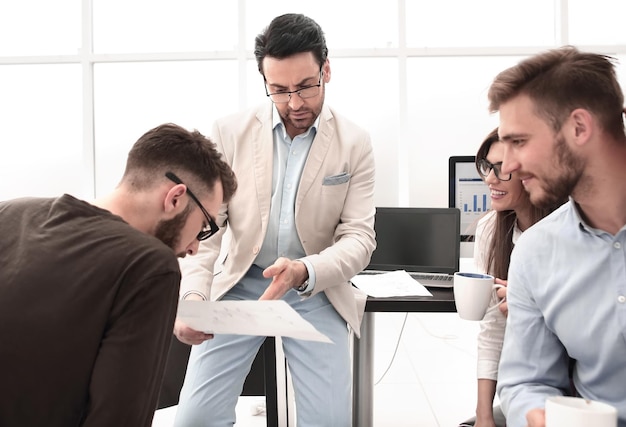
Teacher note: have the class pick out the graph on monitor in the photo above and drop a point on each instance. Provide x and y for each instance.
(468, 193)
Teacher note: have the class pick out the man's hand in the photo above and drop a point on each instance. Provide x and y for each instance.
(287, 274)
(536, 418)
(187, 335)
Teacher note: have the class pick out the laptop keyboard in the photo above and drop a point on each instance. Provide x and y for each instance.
(436, 277)
(434, 280)
(426, 279)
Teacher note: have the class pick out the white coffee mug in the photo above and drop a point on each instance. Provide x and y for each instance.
(565, 411)
(472, 294)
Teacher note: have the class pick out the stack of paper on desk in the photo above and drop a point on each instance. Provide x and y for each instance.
(393, 284)
(263, 318)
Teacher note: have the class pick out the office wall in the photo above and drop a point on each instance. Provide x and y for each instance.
(80, 81)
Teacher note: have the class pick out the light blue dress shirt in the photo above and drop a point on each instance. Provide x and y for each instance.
(566, 295)
(281, 238)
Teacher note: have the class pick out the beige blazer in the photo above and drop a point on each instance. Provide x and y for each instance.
(334, 209)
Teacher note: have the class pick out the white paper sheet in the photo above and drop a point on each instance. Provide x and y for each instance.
(262, 318)
(393, 284)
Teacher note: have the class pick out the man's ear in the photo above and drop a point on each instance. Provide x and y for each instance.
(583, 124)
(326, 70)
(173, 202)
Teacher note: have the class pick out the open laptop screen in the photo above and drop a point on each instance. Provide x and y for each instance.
(417, 240)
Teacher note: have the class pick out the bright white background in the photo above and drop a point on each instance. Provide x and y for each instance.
(80, 81)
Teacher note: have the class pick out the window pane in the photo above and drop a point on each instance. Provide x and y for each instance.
(41, 153)
(448, 115)
(462, 23)
(40, 27)
(353, 91)
(255, 91)
(346, 23)
(597, 22)
(132, 98)
(123, 26)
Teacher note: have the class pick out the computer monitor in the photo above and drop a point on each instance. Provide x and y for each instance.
(468, 193)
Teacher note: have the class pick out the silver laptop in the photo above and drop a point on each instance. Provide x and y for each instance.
(422, 241)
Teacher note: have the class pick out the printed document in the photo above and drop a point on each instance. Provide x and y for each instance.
(262, 318)
(393, 284)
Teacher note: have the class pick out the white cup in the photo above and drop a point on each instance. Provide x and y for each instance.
(565, 411)
(472, 294)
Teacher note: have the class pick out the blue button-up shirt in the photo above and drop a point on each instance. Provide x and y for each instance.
(566, 296)
(281, 239)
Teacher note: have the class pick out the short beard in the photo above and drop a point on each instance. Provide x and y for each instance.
(317, 110)
(168, 231)
(559, 188)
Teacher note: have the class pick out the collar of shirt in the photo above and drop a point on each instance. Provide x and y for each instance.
(582, 224)
(516, 232)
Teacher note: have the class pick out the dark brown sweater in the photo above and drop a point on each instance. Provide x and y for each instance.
(87, 307)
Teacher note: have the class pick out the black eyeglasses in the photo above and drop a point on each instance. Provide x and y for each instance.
(485, 167)
(283, 97)
(213, 228)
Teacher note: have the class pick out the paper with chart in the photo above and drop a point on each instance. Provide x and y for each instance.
(262, 318)
(393, 284)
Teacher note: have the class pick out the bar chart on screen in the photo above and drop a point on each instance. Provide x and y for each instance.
(468, 193)
(473, 196)
(473, 199)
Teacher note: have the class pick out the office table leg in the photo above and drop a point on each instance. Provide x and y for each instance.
(271, 386)
(362, 374)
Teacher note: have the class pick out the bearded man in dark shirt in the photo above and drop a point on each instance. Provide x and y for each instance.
(89, 290)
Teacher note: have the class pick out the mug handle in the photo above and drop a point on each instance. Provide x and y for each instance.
(497, 286)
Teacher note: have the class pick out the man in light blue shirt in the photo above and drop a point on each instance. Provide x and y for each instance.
(561, 119)
(300, 227)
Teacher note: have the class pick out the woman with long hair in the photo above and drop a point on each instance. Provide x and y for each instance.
(496, 233)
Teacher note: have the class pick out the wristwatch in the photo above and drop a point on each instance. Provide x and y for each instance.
(303, 286)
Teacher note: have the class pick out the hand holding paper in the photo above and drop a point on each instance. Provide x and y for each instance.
(263, 318)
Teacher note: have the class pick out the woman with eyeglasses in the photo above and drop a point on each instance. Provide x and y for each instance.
(496, 233)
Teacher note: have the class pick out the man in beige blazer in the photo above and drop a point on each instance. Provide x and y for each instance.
(299, 227)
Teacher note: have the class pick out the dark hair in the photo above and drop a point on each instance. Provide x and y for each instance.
(560, 80)
(190, 155)
(499, 251)
(290, 34)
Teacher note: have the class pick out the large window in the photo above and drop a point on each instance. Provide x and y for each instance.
(41, 149)
(40, 27)
(140, 26)
(598, 22)
(132, 97)
(449, 98)
(80, 81)
(480, 23)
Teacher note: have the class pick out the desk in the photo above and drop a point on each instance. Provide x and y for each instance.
(442, 301)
